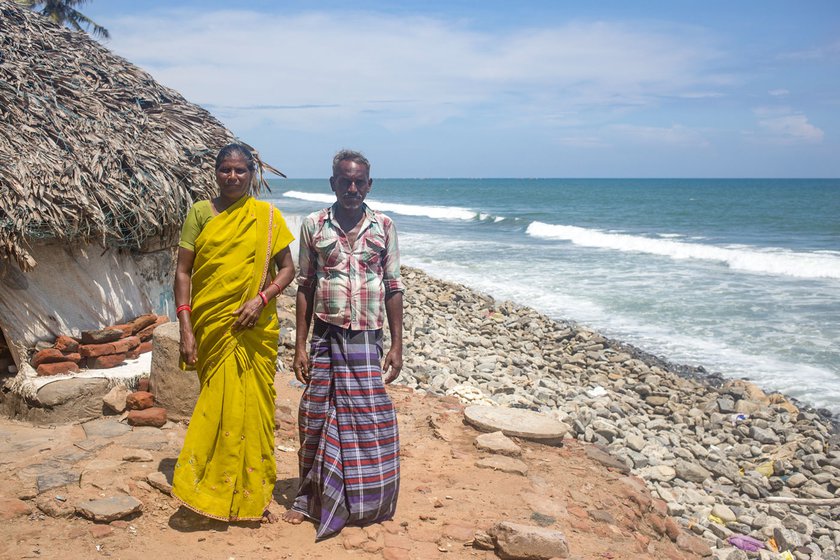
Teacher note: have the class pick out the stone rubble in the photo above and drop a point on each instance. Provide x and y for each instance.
(713, 450)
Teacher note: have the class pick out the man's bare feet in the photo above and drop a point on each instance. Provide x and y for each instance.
(293, 517)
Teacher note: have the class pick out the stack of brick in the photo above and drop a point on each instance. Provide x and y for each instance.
(142, 410)
(103, 348)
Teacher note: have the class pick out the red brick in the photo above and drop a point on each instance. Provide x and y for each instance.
(139, 400)
(143, 384)
(101, 336)
(133, 354)
(127, 344)
(66, 344)
(57, 368)
(47, 356)
(75, 357)
(145, 347)
(149, 417)
(125, 328)
(141, 322)
(106, 361)
(94, 350)
(146, 333)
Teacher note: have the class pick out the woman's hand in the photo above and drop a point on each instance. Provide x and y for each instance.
(187, 347)
(248, 314)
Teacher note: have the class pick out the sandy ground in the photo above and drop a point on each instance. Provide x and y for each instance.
(444, 497)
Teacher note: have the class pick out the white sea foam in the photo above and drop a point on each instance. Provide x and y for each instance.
(746, 258)
(435, 212)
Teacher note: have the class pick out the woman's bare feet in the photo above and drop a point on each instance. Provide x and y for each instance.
(293, 517)
(269, 517)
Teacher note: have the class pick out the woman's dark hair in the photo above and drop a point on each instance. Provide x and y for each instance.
(232, 149)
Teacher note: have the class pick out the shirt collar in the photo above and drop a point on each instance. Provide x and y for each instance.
(369, 213)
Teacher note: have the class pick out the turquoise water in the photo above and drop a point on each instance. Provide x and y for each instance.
(741, 277)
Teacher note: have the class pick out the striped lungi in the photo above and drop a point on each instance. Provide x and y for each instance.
(349, 453)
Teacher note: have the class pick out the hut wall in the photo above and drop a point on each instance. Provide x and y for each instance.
(80, 288)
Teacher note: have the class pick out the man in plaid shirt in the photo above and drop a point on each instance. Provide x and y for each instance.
(349, 278)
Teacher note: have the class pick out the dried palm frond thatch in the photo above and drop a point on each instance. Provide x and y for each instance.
(91, 147)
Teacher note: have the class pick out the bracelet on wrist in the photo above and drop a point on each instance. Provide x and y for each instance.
(264, 298)
(184, 307)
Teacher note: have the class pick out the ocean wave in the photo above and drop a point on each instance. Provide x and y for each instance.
(435, 212)
(745, 258)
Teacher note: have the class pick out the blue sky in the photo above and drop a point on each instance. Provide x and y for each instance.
(504, 89)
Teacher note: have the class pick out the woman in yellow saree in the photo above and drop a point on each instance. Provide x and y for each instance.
(224, 296)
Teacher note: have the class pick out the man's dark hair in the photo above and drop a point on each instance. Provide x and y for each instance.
(349, 155)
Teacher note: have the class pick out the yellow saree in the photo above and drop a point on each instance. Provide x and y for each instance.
(226, 469)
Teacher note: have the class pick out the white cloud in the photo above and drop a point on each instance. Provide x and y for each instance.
(782, 125)
(675, 135)
(781, 92)
(822, 52)
(313, 70)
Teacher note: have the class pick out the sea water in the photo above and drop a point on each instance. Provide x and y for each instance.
(739, 276)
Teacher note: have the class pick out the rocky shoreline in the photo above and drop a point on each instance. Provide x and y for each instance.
(741, 468)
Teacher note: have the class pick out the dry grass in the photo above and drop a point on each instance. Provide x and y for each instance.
(92, 149)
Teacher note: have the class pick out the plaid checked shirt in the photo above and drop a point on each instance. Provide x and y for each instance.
(350, 282)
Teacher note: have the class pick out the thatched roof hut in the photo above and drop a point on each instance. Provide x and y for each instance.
(98, 166)
(91, 147)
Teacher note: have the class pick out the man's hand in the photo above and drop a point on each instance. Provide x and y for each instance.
(392, 365)
(301, 365)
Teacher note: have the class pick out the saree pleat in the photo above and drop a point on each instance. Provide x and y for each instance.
(226, 469)
(349, 453)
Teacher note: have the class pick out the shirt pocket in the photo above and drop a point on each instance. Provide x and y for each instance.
(328, 252)
(372, 252)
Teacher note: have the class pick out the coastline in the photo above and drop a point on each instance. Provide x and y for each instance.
(702, 443)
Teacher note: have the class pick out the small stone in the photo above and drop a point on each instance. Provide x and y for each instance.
(138, 456)
(497, 442)
(158, 480)
(514, 540)
(101, 531)
(353, 537)
(634, 442)
(724, 513)
(115, 399)
(796, 480)
(11, 508)
(109, 509)
(504, 464)
(483, 541)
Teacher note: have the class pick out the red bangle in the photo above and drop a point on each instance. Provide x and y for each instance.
(263, 298)
(182, 308)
